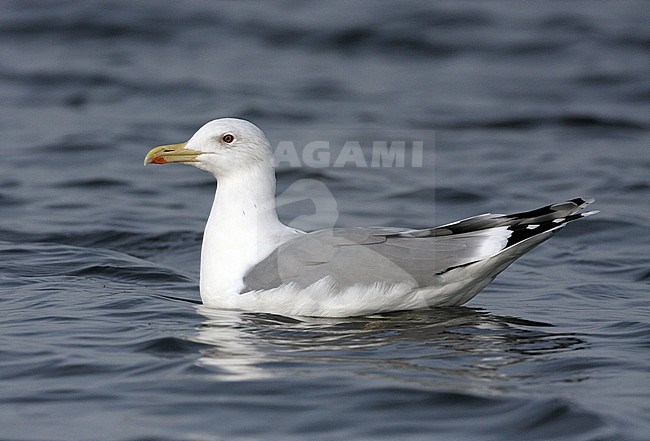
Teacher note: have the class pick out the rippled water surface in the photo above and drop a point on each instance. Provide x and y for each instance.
(101, 329)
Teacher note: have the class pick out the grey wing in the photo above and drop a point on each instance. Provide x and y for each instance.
(389, 255)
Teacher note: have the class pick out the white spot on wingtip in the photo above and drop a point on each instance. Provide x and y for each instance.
(532, 226)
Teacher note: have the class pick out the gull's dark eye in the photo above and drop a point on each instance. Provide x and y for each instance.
(228, 138)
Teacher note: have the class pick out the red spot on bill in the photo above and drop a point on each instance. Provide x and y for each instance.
(159, 160)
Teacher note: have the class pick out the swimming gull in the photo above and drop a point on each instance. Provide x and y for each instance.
(251, 261)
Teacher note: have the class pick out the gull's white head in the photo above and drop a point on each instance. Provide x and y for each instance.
(221, 147)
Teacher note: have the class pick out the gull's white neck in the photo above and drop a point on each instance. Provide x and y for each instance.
(243, 229)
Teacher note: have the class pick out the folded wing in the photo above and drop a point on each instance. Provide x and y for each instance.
(390, 255)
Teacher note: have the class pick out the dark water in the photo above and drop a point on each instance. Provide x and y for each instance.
(102, 335)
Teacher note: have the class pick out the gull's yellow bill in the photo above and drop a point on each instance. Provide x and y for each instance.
(171, 153)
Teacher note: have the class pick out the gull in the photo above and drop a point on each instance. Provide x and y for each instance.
(251, 261)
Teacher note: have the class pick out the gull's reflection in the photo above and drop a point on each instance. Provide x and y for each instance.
(437, 346)
(235, 352)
